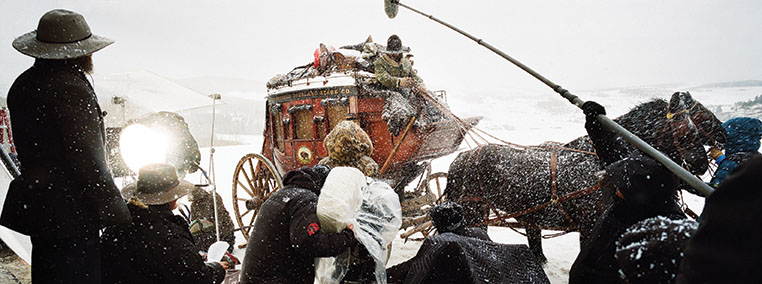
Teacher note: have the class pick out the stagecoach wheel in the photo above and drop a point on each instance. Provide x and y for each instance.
(255, 178)
(437, 183)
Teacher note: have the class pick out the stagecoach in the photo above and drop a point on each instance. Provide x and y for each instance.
(304, 106)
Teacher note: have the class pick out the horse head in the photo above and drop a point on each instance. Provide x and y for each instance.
(710, 128)
(687, 141)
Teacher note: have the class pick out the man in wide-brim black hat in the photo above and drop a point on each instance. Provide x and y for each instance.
(157, 246)
(65, 193)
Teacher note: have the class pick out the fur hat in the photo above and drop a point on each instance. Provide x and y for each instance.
(60, 34)
(157, 184)
(651, 250)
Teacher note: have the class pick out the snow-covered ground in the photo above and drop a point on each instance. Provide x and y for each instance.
(520, 117)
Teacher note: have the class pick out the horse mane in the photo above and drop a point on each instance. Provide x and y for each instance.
(644, 112)
(640, 120)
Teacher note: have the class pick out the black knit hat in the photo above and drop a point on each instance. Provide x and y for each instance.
(642, 179)
(651, 250)
(447, 217)
(305, 178)
(321, 173)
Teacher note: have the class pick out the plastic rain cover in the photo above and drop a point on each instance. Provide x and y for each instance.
(377, 219)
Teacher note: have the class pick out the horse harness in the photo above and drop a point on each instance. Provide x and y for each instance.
(555, 200)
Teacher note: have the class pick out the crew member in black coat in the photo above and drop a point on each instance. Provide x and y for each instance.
(65, 193)
(726, 247)
(447, 218)
(286, 237)
(157, 246)
(643, 188)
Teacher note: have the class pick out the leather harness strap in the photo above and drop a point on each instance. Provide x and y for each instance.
(555, 199)
(573, 195)
(554, 187)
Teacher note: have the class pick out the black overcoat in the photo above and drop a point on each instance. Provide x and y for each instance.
(65, 188)
(156, 248)
(595, 262)
(286, 236)
(726, 247)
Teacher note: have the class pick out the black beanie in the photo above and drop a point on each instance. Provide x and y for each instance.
(447, 217)
(304, 178)
(641, 179)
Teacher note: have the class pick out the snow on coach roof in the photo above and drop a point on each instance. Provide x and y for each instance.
(331, 68)
(332, 80)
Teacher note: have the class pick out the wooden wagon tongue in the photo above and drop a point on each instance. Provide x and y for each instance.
(391, 7)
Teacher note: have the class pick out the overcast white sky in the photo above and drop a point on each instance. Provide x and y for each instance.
(580, 44)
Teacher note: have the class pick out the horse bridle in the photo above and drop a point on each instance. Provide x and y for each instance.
(678, 125)
(700, 117)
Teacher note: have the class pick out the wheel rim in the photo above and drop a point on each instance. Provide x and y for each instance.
(255, 178)
(437, 183)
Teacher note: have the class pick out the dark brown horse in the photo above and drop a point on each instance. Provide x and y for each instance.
(554, 186)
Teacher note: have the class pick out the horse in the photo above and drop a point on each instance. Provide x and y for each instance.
(556, 186)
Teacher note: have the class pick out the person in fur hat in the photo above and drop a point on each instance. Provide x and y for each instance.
(349, 146)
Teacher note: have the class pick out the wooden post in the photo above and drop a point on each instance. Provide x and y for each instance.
(397, 147)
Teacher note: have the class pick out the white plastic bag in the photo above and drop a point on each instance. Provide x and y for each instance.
(340, 199)
(377, 219)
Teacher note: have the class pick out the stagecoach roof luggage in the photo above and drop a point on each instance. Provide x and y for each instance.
(307, 97)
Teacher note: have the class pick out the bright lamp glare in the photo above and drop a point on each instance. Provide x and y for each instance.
(140, 146)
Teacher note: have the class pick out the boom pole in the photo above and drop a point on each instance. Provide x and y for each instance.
(693, 181)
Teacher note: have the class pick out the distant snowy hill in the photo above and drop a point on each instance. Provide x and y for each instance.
(244, 88)
(239, 115)
(734, 84)
(531, 117)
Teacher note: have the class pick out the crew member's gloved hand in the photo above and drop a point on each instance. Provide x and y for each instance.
(591, 108)
(406, 82)
(715, 153)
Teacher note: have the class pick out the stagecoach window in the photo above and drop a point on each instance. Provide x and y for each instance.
(279, 134)
(320, 123)
(335, 114)
(303, 124)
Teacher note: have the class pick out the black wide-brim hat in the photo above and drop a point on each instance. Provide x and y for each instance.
(60, 34)
(157, 184)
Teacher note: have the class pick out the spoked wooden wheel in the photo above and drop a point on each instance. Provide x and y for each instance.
(436, 183)
(432, 190)
(255, 178)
